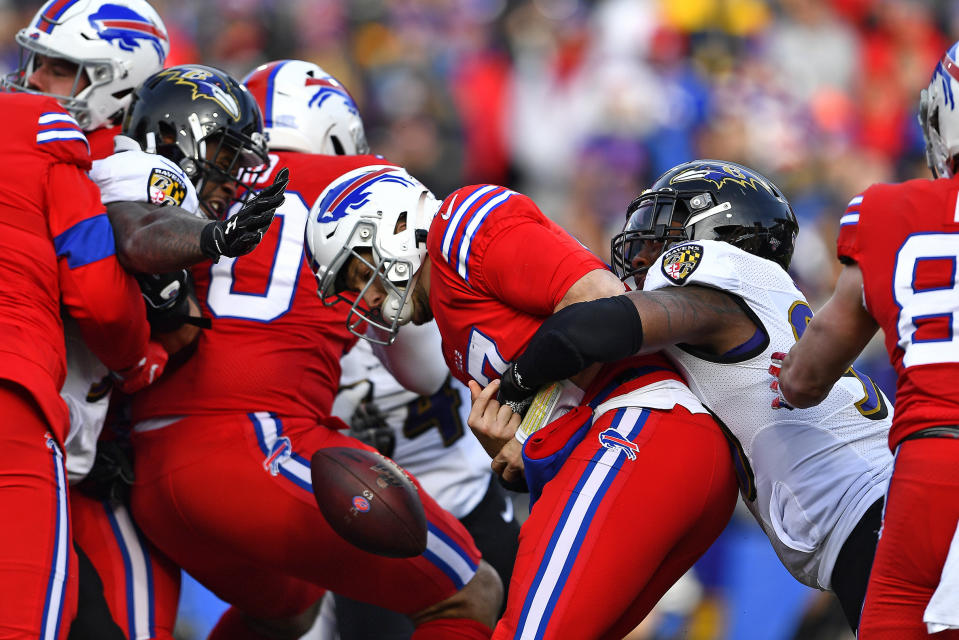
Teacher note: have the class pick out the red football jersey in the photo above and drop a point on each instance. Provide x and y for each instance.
(57, 248)
(905, 238)
(499, 267)
(101, 141)
(274, 346)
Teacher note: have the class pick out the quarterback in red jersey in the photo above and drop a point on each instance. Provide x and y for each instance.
(228, 436)
(899, 244)
(59, 250)
(491, 267)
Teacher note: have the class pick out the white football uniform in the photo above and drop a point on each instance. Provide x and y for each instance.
(807, 475)
(129, 175)
(433, 441)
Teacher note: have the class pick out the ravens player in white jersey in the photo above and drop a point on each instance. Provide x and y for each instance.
(719, 301)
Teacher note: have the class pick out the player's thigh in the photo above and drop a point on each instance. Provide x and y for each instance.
(249, 501)
(37, 561)
(596, 541)
(140, 584)
(919, 522)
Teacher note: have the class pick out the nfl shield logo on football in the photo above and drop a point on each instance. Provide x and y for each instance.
(680, 262)
(361, 504)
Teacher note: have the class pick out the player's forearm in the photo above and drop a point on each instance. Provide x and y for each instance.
(578, 336)
(155, 239)
(833, 339)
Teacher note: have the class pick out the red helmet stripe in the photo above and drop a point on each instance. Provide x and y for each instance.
(134, 25)
(52, 14)
(951, 67)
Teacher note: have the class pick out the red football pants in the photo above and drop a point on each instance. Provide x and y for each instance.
(922, 510)
(229, 499)
(140, 585)
(618, 525)
(38, 567)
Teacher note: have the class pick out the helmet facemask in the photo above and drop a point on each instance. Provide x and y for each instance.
(361, 253)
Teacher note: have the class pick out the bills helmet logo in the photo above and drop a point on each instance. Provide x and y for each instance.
(329, 88)
(680, 262)
(354, 193)
(204, 86)
(165, 188)
(280, 452)
(127, 29)
(613, 439)
(720, 174)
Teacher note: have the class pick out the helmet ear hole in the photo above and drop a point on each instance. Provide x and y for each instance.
(337, 146)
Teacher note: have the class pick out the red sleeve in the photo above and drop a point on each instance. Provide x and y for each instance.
(847, 244)
(530, 262)
(103, 298)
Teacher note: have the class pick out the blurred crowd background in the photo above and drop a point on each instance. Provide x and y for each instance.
(582, 104)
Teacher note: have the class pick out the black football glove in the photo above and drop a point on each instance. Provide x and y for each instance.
(513, 393)
(166, 297)
(111, 476)
(242, 232)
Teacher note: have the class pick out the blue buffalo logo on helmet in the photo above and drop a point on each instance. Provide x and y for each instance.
(354, 193)
(205, 85)
(613, 439)
(329, 88)
(720, 174)
(126, 28)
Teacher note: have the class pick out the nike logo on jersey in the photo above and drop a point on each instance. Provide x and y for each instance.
(449, 210)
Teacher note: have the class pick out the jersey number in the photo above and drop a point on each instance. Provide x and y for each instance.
(924, 288)
(277, 298)
(483, 361)
(440, 411)
(872, 405)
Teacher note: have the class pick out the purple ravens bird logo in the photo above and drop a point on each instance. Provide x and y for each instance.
(720, 174)
(205, 85)
(353, 193)
(125, 28)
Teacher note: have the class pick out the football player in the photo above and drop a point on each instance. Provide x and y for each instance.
(90, 56)
(224, 444)
(308, 111)
(492, 267)
(709, 243)
(899, 247)
(58, 250)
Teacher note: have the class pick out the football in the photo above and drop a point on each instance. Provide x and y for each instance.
(369, 501)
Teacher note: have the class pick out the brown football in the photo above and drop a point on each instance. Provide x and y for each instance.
(369, 501)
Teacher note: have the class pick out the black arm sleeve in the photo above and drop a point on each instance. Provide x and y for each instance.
(570, 340)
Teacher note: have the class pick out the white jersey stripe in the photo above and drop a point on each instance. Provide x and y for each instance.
(572, 527)
(458, 215)
(471, 228)
(53, 135)
(849, 218)
(53, 607)
(49, 118)
(139, 582)
(447, 557)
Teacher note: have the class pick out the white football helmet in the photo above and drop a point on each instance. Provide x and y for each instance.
(306, 109)
(939, 115)
(116, 43)
(378, 214)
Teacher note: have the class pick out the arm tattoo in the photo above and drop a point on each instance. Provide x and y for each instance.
(156, 240)
(685, 313)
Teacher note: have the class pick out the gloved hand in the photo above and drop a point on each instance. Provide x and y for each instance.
(166, 296)
(779, 402)
(513, 393)
(242, 232)
(144, 372)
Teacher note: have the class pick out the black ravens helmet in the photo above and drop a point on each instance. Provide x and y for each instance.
(708, 200)
(202, 119)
